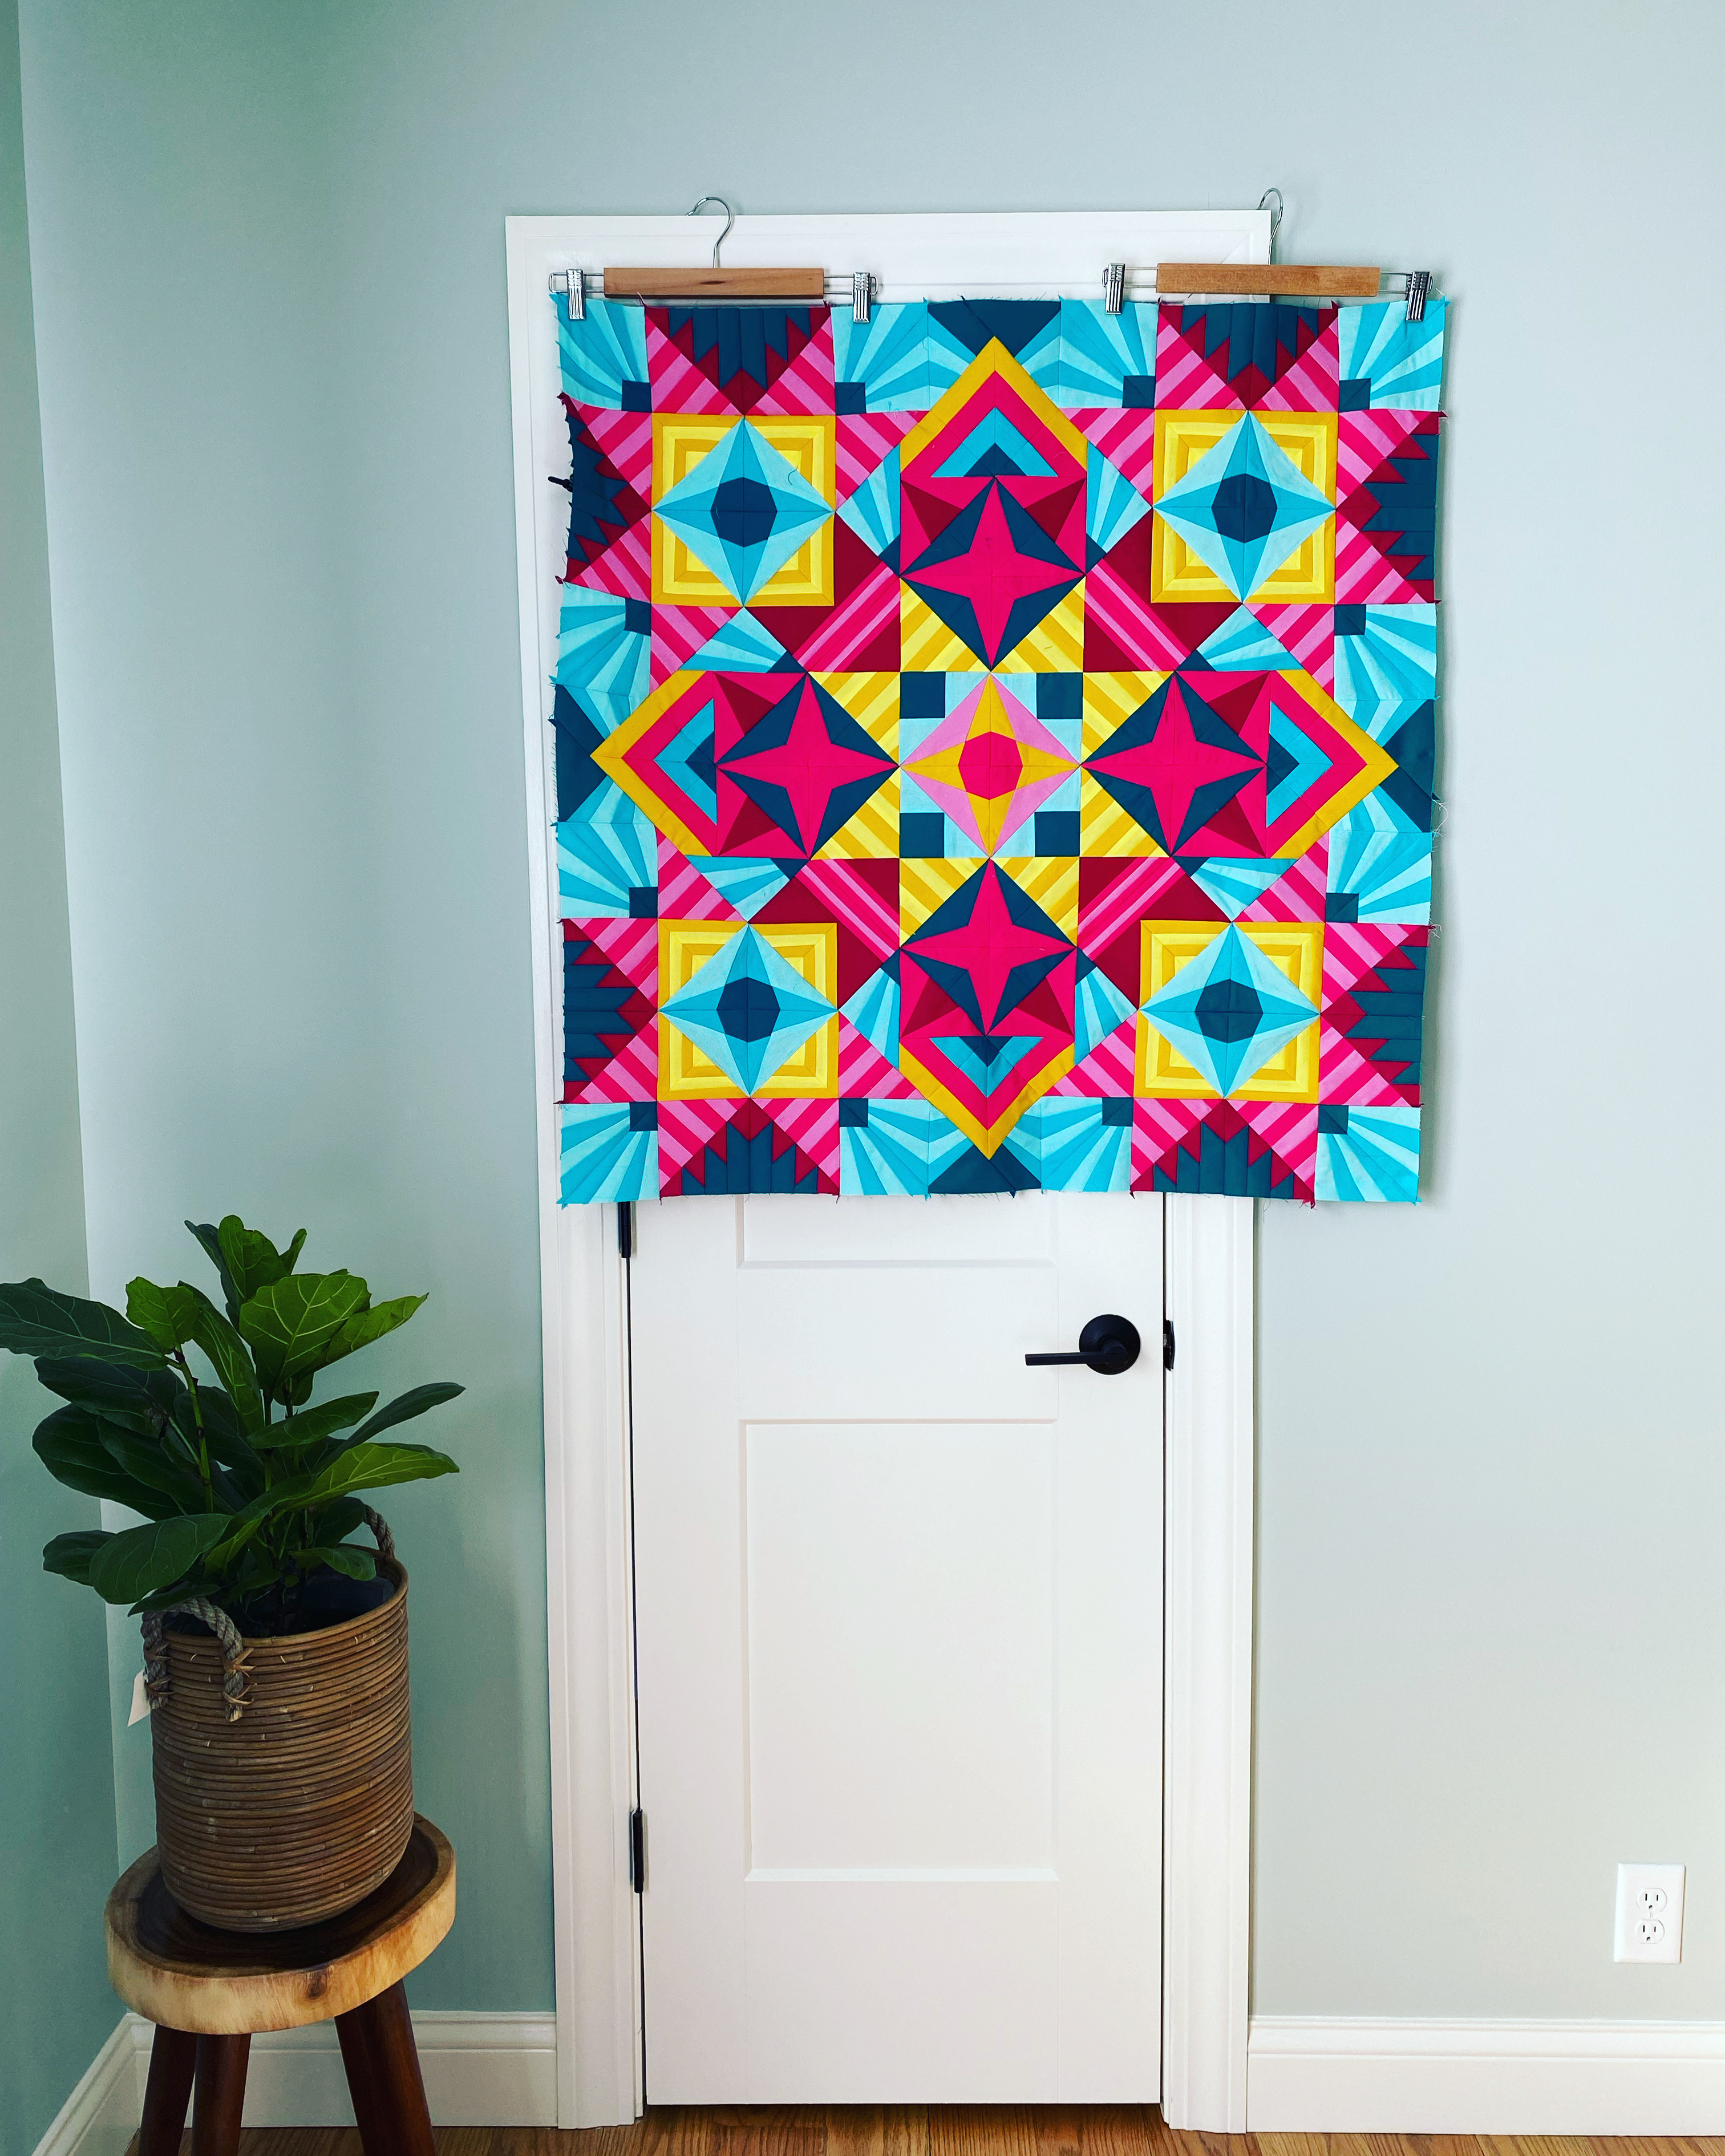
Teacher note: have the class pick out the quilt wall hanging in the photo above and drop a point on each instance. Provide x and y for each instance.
(993, 748)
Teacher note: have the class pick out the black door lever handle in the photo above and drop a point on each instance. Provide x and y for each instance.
(1107, 1344)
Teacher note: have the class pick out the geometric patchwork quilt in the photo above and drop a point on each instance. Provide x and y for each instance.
(993, 748)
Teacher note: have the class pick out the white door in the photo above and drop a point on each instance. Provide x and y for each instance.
(898, 1598)
(899, 1611)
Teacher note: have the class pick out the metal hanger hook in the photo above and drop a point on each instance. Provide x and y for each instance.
(1264, 202)
(729, 219)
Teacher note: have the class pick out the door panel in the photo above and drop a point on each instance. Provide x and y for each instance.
(899, 1625)
(969, 1230)
(901, 1628)
(808, 1347)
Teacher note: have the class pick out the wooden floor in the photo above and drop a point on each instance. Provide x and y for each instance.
(941, 2130)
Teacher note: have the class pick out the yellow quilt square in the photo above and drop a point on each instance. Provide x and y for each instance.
(686, 1072)
(681, 441)
(1294, 947)
(1308, 576)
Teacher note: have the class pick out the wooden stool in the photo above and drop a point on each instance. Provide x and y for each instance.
(208, 1992)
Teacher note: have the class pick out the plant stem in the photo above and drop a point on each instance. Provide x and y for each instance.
(209, 1500)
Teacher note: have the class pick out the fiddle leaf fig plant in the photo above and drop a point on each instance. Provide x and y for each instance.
(246, 1488)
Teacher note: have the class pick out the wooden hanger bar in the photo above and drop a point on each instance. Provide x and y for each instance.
(1316, 280)
(715, 283)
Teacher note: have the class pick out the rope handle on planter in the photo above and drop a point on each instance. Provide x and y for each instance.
(380, 1528)
(235, 1654)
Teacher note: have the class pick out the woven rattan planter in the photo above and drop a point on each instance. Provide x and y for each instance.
(305, 1805)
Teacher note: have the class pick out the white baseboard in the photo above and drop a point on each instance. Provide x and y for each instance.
(1303, 2075)
(100, 2115)
(1345, 2076)
(480, 2070)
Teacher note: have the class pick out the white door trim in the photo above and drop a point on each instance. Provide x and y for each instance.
(1210, 1484)
(1207, 1700)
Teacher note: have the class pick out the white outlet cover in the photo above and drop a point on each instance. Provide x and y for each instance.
(1649, 1913)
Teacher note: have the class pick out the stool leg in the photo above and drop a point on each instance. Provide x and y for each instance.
(363, 2084)
(172, 2056)
(383, 2077)
(220, 2095)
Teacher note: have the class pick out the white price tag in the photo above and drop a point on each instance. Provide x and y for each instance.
(140, 1701)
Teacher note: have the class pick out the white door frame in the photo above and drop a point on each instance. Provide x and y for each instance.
(1207, 1635)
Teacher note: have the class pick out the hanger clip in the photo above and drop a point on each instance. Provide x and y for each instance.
(862, 296)
(1418, 285)
(572, 282)
(1114, 287)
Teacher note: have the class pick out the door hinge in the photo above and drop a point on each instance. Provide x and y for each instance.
(1167, 1343)
(638, 1849)
(625, 1231)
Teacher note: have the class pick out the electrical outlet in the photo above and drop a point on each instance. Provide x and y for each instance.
(1649, 1913)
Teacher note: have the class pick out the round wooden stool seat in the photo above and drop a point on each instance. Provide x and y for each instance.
(184, 1974)
(210, 1992)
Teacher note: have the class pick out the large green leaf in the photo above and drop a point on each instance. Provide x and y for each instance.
(410, 1404)
(252, 1259)
(144, 1559)
(349, 1557)
(243, 1525)
(312, 1425)
(336, 1522)
(36, 1319)
(290, 1324)
(211, 1332)
(163, 1312)
(375, 1467)
(227, 1441)
(70, 1445)
(165, 1598)
(209, 1236)
(222, 1440)
(141, 1399)
(70, 1555)
(370, 1324)
(145, 1461)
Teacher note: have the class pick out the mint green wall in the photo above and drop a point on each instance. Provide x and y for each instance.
(57, 1844)
(269, 289)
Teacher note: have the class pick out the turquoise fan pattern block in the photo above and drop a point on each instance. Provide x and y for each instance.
(995, 748)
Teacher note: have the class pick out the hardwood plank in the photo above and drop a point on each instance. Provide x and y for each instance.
(299, 2141)
(1058, 2128)
(976, 2129)
(647, 2137)
(1326, 2144)
(767, 2130)
(1116, 2129)
(1178, 2141)
(951, 2130)
(1637, 2144)
(877, 2129)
